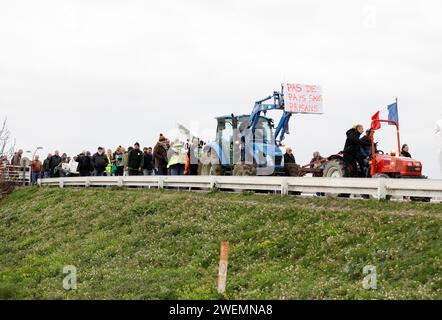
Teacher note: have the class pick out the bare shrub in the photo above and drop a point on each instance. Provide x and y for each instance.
(6, 152)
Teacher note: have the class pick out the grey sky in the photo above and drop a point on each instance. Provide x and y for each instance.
(78, 74)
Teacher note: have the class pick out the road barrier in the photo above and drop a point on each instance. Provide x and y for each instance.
(15, 174)
(376, 188)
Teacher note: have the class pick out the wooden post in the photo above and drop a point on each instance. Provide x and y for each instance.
(222, 270)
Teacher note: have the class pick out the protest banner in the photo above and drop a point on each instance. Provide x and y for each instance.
(303, 98)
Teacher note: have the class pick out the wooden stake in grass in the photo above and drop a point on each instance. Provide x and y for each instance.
(222, 271)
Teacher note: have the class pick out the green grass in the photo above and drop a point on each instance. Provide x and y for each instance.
(139, 244)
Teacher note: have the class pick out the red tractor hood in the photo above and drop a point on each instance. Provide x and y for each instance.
(397, 165)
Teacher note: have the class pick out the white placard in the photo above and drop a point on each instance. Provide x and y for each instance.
(303, 98)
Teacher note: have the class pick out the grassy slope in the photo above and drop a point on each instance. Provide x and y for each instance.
(164, 244)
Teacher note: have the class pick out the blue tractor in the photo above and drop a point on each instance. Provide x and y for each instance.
(248, 145)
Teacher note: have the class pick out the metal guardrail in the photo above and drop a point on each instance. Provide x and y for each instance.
(376, 188)
(16, 174)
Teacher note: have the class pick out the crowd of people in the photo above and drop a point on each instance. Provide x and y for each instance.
(165, 158)
(172, 158)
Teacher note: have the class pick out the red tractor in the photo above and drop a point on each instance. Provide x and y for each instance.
(382, 165)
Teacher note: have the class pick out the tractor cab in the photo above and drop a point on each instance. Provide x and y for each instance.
(237, 141)
(227, 126)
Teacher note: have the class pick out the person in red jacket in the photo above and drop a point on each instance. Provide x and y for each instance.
(36, 170)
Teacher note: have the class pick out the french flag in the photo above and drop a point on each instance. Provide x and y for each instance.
(388, 113)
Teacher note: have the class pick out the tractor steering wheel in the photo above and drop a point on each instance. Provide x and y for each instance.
(380, 152)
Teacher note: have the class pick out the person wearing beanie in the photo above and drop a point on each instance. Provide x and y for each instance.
(160, 155)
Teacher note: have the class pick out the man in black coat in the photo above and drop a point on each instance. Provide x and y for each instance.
(100, 162)
(84, 164)
(289, 157)
(47, 167)
(135, 160)
(352, 148)
(290, 166)
(55, 165)
(147, 165)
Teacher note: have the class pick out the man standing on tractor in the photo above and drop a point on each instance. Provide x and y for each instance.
(352, 150)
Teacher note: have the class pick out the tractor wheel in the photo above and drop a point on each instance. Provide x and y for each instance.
(242, 169)
(336, 169)
(292, 169)
(209, 164)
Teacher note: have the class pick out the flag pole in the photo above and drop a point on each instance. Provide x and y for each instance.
(398, 131)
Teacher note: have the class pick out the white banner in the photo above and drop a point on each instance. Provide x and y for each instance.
(303, 98)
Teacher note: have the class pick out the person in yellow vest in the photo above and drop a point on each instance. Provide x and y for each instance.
(177, 158)
(111, 163)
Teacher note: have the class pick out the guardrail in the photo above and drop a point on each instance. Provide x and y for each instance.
(376, 188)
(16, 174)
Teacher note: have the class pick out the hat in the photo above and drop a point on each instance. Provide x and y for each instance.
(162, 138)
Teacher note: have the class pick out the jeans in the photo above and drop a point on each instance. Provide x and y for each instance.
(147, 172)
(34, 177)
(98, 173)
(120, 171)
(162, 171)
(177, 170)
(47, 174)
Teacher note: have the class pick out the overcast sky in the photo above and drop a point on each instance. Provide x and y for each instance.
(78, 74)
